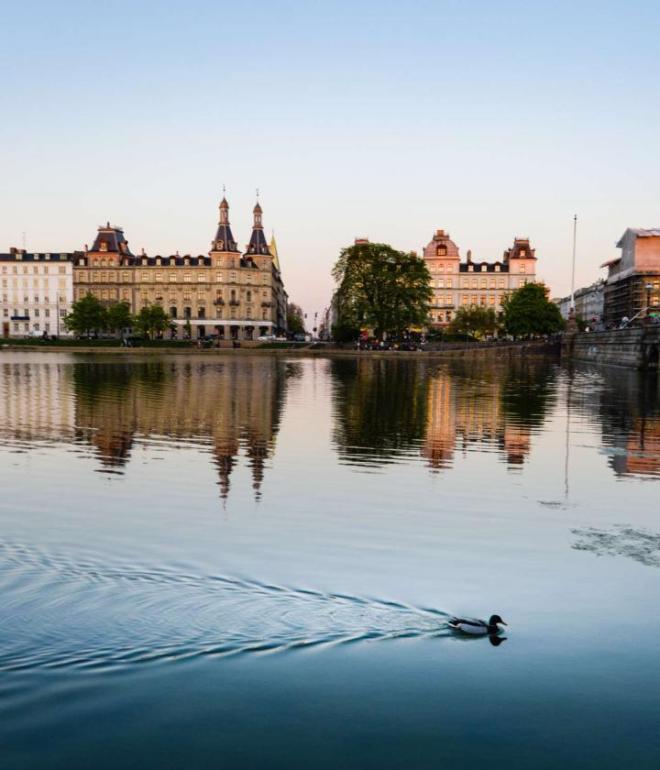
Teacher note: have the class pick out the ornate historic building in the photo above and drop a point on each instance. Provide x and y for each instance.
(461, 284)
(230, 294)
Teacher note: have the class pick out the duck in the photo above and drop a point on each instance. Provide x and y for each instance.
(477, 627)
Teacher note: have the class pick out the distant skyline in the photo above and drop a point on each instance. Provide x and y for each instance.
(364, 119)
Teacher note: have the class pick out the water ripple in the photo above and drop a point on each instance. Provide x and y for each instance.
(64, 612)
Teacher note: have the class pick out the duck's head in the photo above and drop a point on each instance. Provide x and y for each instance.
(496, 620)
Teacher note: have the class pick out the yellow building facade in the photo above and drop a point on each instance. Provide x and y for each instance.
(227, 293)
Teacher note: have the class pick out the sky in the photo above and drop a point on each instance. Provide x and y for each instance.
(385, 120)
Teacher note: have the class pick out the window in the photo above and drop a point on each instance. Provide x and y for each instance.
(441, 251)
(500, 283)
(440, 284)
(482, 299)
(187, 277)
(475, 283)
(464, 299)
(172, 277)
(449, 283)
(523, 267)
(47, 313)
(218, 277)
(36, 312)
(497, 268)
(159, 277)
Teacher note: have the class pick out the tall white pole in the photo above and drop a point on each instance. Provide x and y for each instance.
(573, 266)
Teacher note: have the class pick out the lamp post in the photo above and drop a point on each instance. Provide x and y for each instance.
(649, 289)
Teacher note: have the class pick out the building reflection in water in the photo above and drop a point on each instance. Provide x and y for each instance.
(229, 408)
(628, 410)
(386, 410)
(235, 406)
(489, 405)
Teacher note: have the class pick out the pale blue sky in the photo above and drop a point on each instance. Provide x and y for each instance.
(361, 118)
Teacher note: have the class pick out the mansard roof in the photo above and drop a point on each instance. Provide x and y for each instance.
(484, 267)
(20, 255)
(442, 241)
(520, 250)
(111, 239)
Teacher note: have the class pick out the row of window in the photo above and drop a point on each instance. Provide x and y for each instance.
(26, 312)
(170, 277)
(26, 299)
(35, 269)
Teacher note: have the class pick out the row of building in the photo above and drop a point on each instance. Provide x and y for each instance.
(230, 293)
(631, 288)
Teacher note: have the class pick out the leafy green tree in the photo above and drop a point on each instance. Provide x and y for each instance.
(528, 312)
(150, 320)
(382, 288)
(476, 320)
(295, 319)
(343, 332)
(118, 317)
(88, 316)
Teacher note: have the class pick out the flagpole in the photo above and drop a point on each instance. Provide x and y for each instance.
(573, 266)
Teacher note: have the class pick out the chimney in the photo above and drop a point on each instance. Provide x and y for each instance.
(469, 255)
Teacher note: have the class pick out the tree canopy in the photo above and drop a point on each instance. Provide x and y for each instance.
(381, 288)
(118, 317)
(529, 312)
(295, 319)
(88, 316)
(475, 320)
(151, 319)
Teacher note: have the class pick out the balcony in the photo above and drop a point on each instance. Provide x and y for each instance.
(234, 303)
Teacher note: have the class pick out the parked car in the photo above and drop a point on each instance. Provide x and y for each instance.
(267, 338)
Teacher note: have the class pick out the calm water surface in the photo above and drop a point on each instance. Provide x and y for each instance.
(248, 562)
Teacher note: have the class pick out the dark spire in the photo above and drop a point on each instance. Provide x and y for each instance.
(224, 240)
(258, 243)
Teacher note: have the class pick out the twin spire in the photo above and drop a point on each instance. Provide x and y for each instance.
(224, 240)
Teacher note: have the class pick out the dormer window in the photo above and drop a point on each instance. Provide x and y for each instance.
(441, 251)
(497, 268)
(523, 252)
(103, 246)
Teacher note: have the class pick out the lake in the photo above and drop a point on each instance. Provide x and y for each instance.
(249, 561)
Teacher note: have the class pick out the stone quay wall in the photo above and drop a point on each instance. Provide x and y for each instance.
(635, 348)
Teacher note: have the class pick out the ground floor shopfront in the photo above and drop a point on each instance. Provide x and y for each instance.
(234, 329)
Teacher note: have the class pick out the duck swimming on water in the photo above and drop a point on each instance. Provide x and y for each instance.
(477, 627)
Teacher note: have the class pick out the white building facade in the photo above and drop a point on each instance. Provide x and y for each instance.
(36, 293)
